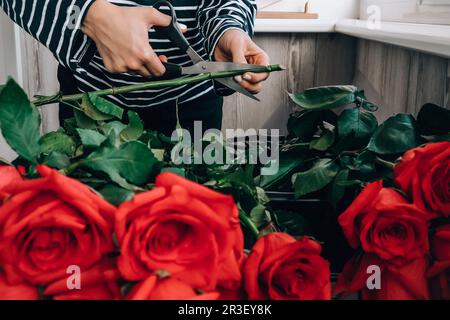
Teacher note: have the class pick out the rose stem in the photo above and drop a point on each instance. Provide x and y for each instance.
(158, 84)
(249, 223)
(385, 163)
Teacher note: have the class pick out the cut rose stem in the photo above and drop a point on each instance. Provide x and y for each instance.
(43, 100)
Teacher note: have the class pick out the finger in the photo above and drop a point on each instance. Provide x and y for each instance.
(143, 71)
(153, 63)
(238, 57)
(182, 27)
(163, 58)
(261, 59)
(255, 77)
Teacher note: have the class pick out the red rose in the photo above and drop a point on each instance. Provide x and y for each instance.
(49, 223)
(182, 228)
(169, 288)
(232, 295)
(407, 282)
(18, 291)
(282, 268)
(384, 223)
(97, 283)
(8, 175)
(439, 275)
(424, 173)
(440, 270)
(440, 243)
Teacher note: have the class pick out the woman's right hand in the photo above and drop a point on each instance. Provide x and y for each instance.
(121, 36)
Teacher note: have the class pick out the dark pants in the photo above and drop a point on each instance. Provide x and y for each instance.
(162, 118)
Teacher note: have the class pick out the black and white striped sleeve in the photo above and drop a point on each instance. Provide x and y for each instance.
(54, 23)
(215, 17)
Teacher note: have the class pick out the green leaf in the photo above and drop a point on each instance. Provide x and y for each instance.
(19, 121)
(90, 138)
(152, 139)
(365, 163)
(316, 178)
(304, 124)
(325, 97)
(105, 106)
(135, 128)
(114, 126)
(293, 223)
(83, 121)
(259, 216)
(433, 120)
(57, 160)
(132, 162)
(115, 194)
(286, 166)
(91, 111)
(57, 142)
(362, 124)
(99, 109)
(324, 142)
(337, 190)
(396, 135)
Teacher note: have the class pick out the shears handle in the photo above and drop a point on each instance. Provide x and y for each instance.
(172, 71)
(172, 31)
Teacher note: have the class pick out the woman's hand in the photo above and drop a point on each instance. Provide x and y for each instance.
(236, 46)
(121, 36)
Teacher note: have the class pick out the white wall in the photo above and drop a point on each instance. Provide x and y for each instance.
(8, 67)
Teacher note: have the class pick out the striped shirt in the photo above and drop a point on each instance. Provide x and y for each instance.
(57, 25)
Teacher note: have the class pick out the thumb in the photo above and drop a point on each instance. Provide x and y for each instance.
(155, 17)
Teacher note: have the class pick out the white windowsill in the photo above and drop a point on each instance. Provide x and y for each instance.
(429, 38)
(423, 37)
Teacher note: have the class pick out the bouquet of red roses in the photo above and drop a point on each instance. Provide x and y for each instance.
(180, 240)
(403, 230)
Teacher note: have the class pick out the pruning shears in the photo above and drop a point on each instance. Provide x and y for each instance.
(174, 34)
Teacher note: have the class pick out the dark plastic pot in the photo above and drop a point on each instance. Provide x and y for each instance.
(323, 220)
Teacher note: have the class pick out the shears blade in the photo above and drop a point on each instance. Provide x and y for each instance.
(210, 66)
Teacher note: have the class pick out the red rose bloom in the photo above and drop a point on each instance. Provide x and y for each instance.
(97, 283)
(424, 173)
(440, 270)
(182, 228)
(406, 282)
(20, 291)
(282, 268)
(49, 223)
(384, 223)
(8, 175)
(169, 288)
